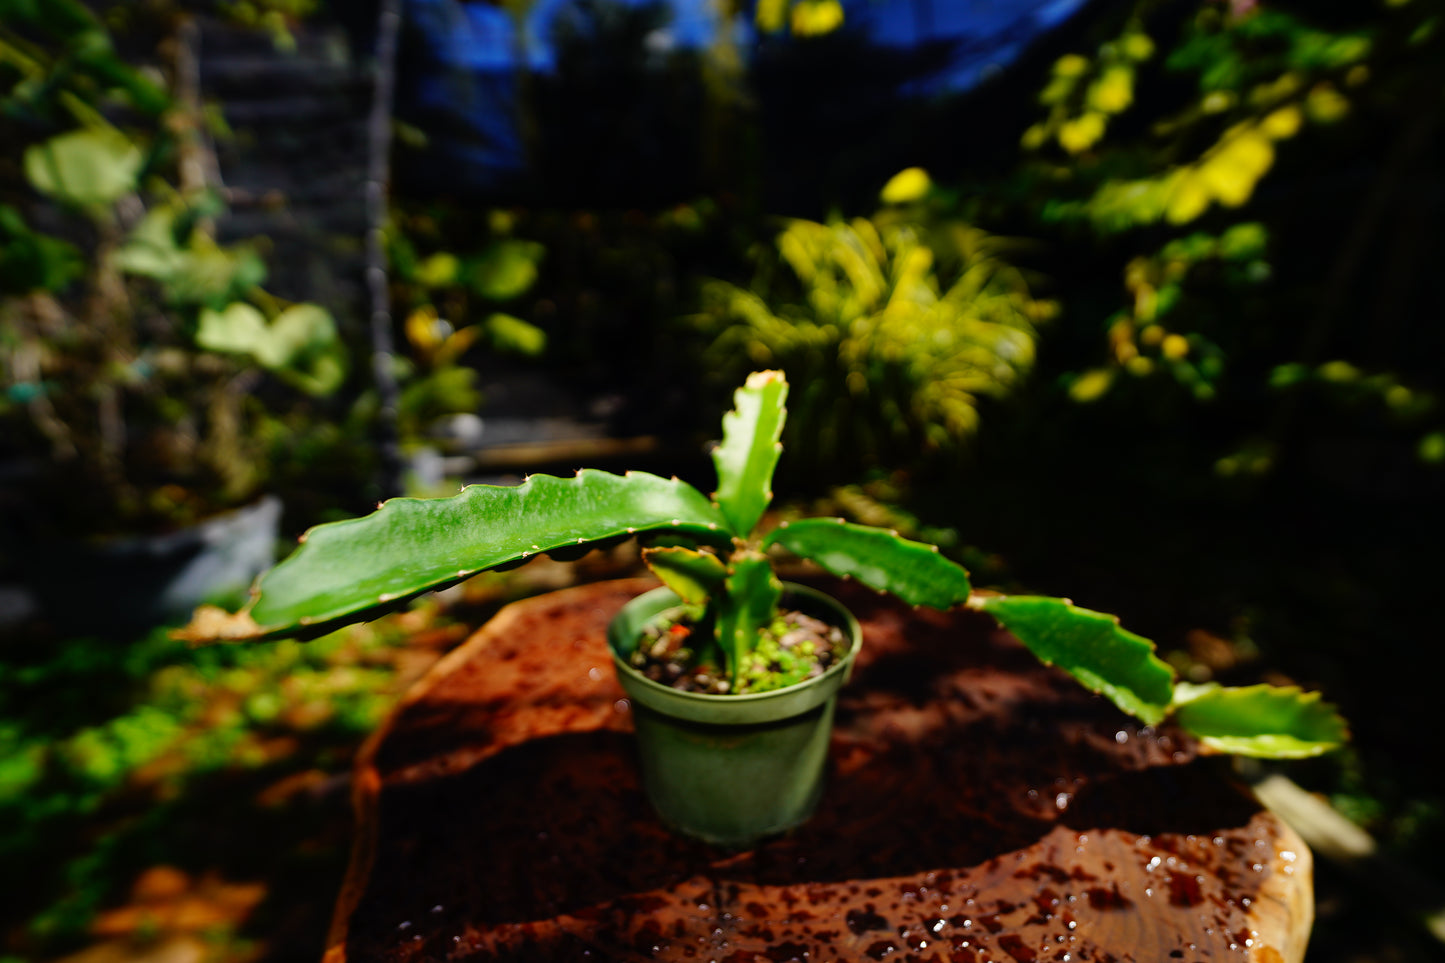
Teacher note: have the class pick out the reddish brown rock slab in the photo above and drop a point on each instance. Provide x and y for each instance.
(981, 807)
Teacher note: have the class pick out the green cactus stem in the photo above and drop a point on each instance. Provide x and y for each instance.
(718, 564)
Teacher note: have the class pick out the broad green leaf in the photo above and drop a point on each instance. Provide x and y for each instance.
(90, 166)
(301, 345)
(1090, 646)
(694, 576)
(438, 271)
(749, 451)
(304, 339)
(1260, 720)
(746, 606)
(151, 249)
(211, 275)
(514, 334)
(346, 571)
(300, 330)
(506, 269)
(880, 559)
(191, 267)
(308, 349)
(239, 329)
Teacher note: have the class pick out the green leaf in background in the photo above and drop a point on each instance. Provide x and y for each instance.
(213, 275)
(1271, 722)
(191, 267)
(239, 329)
(304, 335)
(30, 261)
(301, 345)
(745, 608)
(59, 18)
(1090, 646)
(442, 392)
(300, 330)
(151, 250)
(880, 559)
(749, 451)
(438, 271)
(92, 51)
(506, 269)
(86, 167)
(694, 576)
(513, 334)
(345, 570)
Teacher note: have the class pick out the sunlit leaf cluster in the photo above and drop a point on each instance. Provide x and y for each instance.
(1259, 76)
(802, 18)
(1160, 332)
(897, 326)
(1083, 93)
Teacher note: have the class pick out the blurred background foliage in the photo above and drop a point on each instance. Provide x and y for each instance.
(1127, 301)
(893, 328)
(134, 345)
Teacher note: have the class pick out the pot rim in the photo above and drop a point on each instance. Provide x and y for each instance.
(704, 706)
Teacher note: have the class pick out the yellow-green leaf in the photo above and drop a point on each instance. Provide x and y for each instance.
(94, 165)
(514, 334)
(694, 576)
(908, 185)
(1275, 722)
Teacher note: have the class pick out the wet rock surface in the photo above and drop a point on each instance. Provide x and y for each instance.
(980, 807)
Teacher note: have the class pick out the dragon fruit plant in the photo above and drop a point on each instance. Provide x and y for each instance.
(717, 560)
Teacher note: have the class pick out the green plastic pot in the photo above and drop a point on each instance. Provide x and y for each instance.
(732, 769)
